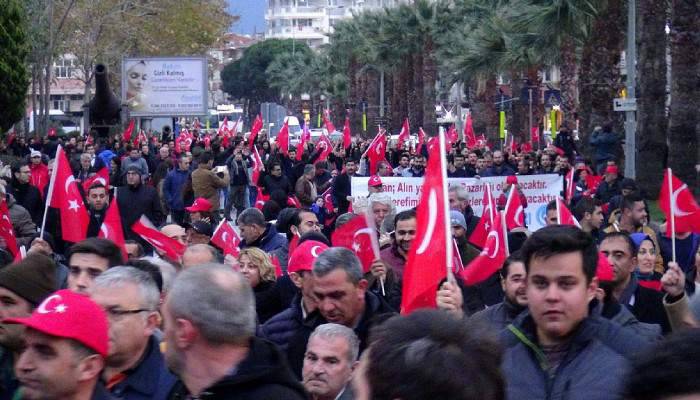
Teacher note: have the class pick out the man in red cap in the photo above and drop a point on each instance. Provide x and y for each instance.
(67, 341)
(200, 209)
(610, 186)
(283, 327)
(374, 184)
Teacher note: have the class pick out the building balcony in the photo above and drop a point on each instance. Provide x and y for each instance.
(294, 12)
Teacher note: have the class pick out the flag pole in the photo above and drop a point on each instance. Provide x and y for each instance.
(673, 214)
(505, 232)
(446, 207)
(52, 181)
(558, 212)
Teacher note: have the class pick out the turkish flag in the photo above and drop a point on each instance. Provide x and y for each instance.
(6, 230)
(686, 211)
(330, 128)
(357, 235)
(564, 216)
(488, 214)
(112, 228)
(278, 268)
(513, 212)
(257, 126)
(491, 258)
(261, 199)
(165, 245)
(325, 147)
(404, 135)
(65, 195)
(223, 128)
(430, 255)
(526, 147)
(328, 200)
(535, 134)
(283, 138)
(128, 131)
(376, 152)
(421, 140)
(226, 238)
(452, 136)
(570, 186)
(457, 264)
(481, 141)
(102, 176)
(293, 202)
(347, 135)
(305, 138)
(469, 134)
(257, 165)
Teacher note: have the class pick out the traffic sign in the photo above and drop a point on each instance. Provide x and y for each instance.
(625, 104)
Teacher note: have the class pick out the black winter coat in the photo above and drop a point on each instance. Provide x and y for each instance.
(134, 202)
(263, 374)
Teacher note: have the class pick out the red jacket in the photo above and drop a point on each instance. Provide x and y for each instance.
(40, 176)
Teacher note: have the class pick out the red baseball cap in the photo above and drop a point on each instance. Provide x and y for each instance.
(611, 169)
(304, 255)
(374, 180)
(200, 204)
(512, 180)
(69, 315)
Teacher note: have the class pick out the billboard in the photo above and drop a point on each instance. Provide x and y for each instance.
(165, 86)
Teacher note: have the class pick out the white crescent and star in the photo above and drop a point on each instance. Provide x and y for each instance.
(518, 215)
(43, 307)
(70, 180)
(674, 199)
(432, 221)
(496, 245)
(315, 250)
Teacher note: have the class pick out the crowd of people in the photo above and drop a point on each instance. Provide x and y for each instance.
(604, 311)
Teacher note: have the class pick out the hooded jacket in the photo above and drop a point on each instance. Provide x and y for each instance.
(594, 366)
(263, 374)
(269, 241)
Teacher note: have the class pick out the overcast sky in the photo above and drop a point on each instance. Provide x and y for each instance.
(252, 14)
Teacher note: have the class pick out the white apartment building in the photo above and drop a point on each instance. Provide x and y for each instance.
(311, 21)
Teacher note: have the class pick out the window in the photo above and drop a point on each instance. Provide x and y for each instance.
(63, 68)
(58, 102)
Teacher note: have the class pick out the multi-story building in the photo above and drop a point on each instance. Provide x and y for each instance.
(311, 21)
(228, 48)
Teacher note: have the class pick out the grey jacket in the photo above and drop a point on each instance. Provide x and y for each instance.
(22, 222)
(593, 368)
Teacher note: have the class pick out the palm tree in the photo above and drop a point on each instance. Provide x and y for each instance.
(683, 152)
(652, 123)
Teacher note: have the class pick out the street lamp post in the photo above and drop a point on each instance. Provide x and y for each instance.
(631, 61)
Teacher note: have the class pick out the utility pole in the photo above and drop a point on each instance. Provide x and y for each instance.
(631, 118)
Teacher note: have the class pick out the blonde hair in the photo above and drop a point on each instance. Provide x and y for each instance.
(261, 260)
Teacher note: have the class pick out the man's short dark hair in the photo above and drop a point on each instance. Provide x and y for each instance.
(514, 257)
(17, 165)
(139, 248)
(629, 201)
(667, 369)
(405, 215)
(551, 206)
(205, 157)
(585, 205)
(561, 239)
(100, 247)
(251, 216)
(624, 236)
(430, 355)
(296, 218)
(97, 185)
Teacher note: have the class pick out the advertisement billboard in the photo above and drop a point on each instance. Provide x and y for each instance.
(165, 86)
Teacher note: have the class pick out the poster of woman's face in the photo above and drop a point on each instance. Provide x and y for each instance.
(137, 78)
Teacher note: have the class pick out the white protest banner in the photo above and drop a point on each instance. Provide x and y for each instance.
(538, 189)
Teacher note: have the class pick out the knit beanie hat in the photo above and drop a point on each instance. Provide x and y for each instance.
(33, 278)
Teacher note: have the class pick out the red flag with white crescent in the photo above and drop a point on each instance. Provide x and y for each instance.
(376, 152)
(65, 195)
(491, 258)
(257, 165)
(261, 199)
(357, 235)
(165, 245)
(111, 228)
(347, 135)
(305, 138)
(128, 131)
(404, 135)
(223, 128)
(675, 194)
(283, 137)
(101, 176)
(421, 140)
(330, 128)
(564, 216)
(430, 256)
(226, 239)
(452, 136)
(488, 214)
(514, 213)
(325, 147)
(7, 231)
(469, 135)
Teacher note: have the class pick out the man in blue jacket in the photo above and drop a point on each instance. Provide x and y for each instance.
(605, 142)
(172, 188)
(557, 350)
(134, 368)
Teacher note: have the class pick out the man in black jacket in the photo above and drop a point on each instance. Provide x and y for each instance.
(136, 199)
(646, 304)
(24, 192)
(210, 344)
(342, 188)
